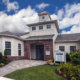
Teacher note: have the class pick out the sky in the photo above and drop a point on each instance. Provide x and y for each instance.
(16, 14)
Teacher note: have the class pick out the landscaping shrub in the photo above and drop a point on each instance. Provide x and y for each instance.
(1, 64)
(1, 57)
(5, 59)
(68, 70)
(75, 58)
(50, 62)
(68, 59)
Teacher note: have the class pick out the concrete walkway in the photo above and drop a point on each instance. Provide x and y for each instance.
(2, 78)
(19, 64)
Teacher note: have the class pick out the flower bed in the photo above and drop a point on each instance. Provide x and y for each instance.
(69, 71)
(51, 62)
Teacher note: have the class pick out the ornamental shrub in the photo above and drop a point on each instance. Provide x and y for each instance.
(1, 64)
(69, 70)
(75, 58)
(68, 59)
(5, 59)
(1, 57)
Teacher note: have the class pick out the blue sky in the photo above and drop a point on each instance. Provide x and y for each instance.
(15, 14)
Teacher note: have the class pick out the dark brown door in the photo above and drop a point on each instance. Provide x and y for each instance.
(39, 52)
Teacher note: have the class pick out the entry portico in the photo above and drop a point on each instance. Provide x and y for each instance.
(36, 49)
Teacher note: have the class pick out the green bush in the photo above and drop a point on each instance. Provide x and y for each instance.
(1, 57)
(1, 64)
(69, 70)
(75, 58)
(5, 59)
(68, 59)
(73, 78)
(5, 54)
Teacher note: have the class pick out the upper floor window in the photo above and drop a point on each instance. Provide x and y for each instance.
(48, 26)
(62, 48)
(43, 17)
(33, 28)
(19, 49)
(8, 47)
(40, 27)
(72, 49)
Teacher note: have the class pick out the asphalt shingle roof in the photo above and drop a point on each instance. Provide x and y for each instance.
(43, 37)
(9, 34)
(68, 37)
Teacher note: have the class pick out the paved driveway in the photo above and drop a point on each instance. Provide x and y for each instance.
(19, 64)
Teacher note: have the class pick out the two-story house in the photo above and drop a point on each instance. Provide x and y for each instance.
(40, 43)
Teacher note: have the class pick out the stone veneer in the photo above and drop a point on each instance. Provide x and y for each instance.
(47, 44)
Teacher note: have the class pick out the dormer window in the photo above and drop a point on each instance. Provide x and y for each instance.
(43, 17)
(49, 26)
(33, 28)
(40, 27)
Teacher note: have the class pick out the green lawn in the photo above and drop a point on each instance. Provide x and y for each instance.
(44, 72)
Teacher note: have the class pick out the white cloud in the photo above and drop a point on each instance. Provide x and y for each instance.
(68, 16)
(60, 14)
(42, 5)
(18, 22)
(54, 16)
(11, 5)
(74, 29)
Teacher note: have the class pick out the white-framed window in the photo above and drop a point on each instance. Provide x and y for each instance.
(72, 49)
(48, 26)
(19, 49)
(33, 28)
(8, 47)
(41, 27)
(62, 48)
(43, 17)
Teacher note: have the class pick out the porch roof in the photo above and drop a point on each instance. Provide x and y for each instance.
(43, 37)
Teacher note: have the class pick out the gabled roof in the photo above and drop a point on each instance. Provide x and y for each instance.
(68, 37)
(43, 37)
(46, 22)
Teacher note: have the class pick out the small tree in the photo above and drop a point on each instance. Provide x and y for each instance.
(5, 54)
(5, 59)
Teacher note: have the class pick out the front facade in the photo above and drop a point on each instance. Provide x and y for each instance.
(40, 43)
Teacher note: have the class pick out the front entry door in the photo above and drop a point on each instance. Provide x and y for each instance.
(39, 52)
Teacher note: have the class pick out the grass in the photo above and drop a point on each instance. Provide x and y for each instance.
(44, 72)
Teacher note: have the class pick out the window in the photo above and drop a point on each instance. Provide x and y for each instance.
(33, 28)
(72, 49)
(48, 26)
(8, 47)
(19, 49)
(62, 48)
(43, 17)
(40, 27)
